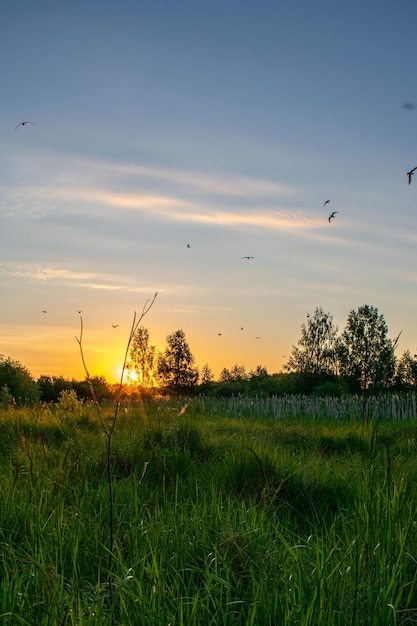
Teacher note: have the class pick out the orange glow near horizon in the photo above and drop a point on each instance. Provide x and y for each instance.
(53, 351)
(64, 360)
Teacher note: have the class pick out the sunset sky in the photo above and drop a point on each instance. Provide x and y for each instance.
(223, 125)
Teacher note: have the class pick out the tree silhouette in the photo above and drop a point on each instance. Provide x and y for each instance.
(206, 375)
(317, 351)
(406, 374)
(143, 357)
(176, 365)
(366, 353)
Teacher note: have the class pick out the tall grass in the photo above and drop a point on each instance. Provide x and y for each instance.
(236, 521)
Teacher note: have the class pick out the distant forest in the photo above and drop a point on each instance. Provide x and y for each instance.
(325, 362)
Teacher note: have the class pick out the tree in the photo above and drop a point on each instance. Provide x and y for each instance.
(317, 353)
(406, 374)
(143, 358)
(176, 365)
(206, 375)
(225, 376)
(236, 374)
(259, 372)
(98, 383)
(19, 382)
(51, 386)
(366, 353)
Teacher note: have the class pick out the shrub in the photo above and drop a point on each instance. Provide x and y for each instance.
(19, 382)
(6, 398)
(69, 404)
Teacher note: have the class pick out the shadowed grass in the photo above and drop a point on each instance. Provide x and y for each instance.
(234, 521)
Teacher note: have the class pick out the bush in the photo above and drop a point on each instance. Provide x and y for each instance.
(51, 386)
(19, 382)
(6, 398)
(69, 404)
(327, 389)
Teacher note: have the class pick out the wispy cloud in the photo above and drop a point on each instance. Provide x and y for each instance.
(200, 213)
(90, 280)
(101, 188)
(227, 185)
(73, 200)
(60, 177)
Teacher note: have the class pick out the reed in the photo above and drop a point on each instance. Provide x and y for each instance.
(391, 407)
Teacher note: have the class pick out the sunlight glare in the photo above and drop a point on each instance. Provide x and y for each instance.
(130, 377)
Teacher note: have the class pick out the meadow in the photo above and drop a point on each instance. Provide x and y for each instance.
(224, 514)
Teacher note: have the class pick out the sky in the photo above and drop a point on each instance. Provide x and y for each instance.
(222, 126)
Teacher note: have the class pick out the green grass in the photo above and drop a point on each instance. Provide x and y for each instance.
(235, 520)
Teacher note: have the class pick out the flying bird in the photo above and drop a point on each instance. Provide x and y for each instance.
(115, 325)
(23, 124)
(188, 245)
(79, 311)
(219, 334)
(408, 105)
(44, 311)
(332, 215)
(327, 202)
(410, 173)
(248, 257)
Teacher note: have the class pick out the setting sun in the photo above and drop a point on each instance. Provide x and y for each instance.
(130, 377)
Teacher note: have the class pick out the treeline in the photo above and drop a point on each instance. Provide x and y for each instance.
(17, 387)
(324, 363)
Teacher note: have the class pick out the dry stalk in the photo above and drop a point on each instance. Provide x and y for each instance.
(108, 430)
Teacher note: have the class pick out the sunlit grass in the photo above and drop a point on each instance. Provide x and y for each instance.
(218, 520)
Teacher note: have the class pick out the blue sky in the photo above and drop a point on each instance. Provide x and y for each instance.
(223, 125)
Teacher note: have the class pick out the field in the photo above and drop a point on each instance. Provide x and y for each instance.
(223, 515)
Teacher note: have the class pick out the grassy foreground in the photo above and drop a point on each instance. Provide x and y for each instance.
(219, 520)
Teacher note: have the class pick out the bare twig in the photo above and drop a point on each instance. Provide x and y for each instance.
(88, 379)
(109, 430)
(135, 324)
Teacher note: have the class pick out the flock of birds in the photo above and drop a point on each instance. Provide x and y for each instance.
(331, 216)
(248, 257)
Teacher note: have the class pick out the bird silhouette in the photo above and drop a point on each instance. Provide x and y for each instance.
(79, 311)
(248, 257)
(327, 202)
(44, 311)
(332, 215)
(188, 245)
(219, 334)
(410, 173)
(115, 325)
(23, 124)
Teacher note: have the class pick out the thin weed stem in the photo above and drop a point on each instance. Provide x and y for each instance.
(109, 430)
